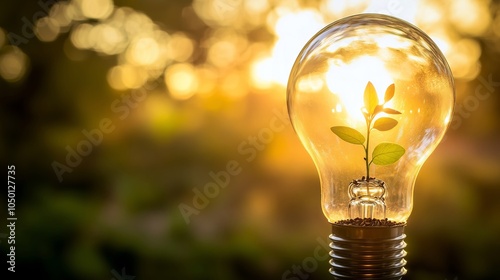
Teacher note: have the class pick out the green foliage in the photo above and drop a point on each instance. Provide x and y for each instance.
(348, 134)
(384, 153)
(383, 124)
(387, 153)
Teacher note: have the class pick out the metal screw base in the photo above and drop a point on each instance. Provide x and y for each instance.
(367, 252)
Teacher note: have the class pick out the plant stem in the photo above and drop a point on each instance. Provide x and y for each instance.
(368, 124)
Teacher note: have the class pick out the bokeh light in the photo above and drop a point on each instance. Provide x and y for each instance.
(180, 47)
(13, 64)
(477, 20)
(211, 76)
(137, 40)
(47, 29)
(126, 76)
(143, 51)
(293, 30)
(95, 9)
(59, 13)
(181, 80)
(262, 73)
(207, 77)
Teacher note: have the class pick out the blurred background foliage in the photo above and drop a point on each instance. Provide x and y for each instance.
(187, 87)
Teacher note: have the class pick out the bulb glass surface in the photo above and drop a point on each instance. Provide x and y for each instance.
(327, 88)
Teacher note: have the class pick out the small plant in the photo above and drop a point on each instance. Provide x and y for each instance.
(383, 153)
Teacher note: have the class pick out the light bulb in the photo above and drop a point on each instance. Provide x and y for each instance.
(370, 97)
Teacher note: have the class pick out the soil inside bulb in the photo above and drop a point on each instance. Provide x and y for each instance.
(368, 222)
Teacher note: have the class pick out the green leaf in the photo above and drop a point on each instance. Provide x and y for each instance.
(389, 93)
(391, 111)
(348, 134)
(387, 153)
(383, 124)
(370, 98)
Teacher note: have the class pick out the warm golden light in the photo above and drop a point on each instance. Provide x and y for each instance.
(80, 37)
(180, 47)
(126, 76)
(73, 11)
(114, 78)
(339, 8)
(108, 39)
(181, 81)
(313, 83)
(207, 77)
(465, 54)
(226, 62)
(143, 51)
(222, 53)
(477, 20)
(58, 12)
(137, 40)
(262, 73)
(293, 29)
(234, 86)
(47, 29)
(256, 6)
(346, 80)
(96, 9)
(388, 90)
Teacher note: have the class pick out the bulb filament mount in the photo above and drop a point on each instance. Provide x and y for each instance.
(367, 198)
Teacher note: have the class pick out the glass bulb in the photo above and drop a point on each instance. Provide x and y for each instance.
(370, 97)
